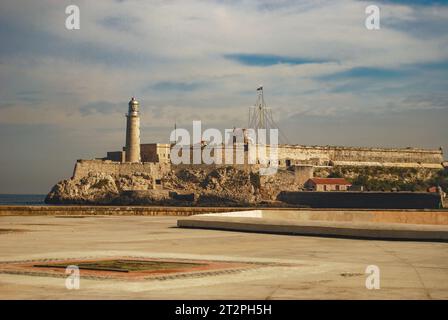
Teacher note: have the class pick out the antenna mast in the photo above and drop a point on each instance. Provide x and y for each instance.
(260, 116)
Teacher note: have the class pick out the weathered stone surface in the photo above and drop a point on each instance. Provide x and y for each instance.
(217, 186)
(220, 186)
(95, 189)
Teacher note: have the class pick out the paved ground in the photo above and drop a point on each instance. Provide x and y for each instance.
(325, 268)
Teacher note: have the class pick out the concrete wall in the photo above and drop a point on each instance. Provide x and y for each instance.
(415, 216)
(371, 200)
(84, 167)
(62, 210)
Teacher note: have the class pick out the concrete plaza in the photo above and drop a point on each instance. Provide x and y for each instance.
(299, 267)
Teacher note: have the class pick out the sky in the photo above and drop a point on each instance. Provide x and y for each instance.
(328, 79)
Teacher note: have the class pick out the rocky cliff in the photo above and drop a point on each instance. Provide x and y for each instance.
(221, 186)
(226, 186)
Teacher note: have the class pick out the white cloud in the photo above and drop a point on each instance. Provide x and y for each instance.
(126, 48)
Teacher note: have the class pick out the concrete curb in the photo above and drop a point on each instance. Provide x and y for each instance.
(386, 231)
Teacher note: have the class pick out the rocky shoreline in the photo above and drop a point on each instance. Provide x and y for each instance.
(228, 186)
(225, 186)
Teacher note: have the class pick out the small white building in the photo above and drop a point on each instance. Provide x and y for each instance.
(327, 184)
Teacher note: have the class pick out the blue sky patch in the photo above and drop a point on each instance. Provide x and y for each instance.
(365, 73)
(265, 60)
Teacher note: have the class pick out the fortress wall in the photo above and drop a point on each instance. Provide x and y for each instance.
(85, 167)
(343, 156)
(368, 155)
(210, 167)
(320, 157)
(328, 155)
(387, 155)
(388, 164)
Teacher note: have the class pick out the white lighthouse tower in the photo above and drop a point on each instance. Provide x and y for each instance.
(133, 132)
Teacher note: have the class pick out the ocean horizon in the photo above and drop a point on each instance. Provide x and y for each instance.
(22, 199)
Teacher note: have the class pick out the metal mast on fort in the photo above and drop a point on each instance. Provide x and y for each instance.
(260, 116)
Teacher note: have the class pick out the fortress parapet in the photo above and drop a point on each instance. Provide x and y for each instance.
(85, 167)
(294, 155)
(360, 156)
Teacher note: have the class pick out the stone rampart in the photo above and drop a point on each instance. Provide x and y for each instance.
(85, 167)
(329, 155)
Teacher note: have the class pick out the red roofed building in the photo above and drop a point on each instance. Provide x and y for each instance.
(327, 184)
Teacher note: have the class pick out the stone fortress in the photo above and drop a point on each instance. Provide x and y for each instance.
(143, 173)
(154, 157)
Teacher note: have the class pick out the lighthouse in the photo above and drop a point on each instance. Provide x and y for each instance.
(133, 132)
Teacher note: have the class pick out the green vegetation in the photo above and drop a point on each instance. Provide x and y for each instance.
(387, 185)
(336, 174)
(386, 179)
